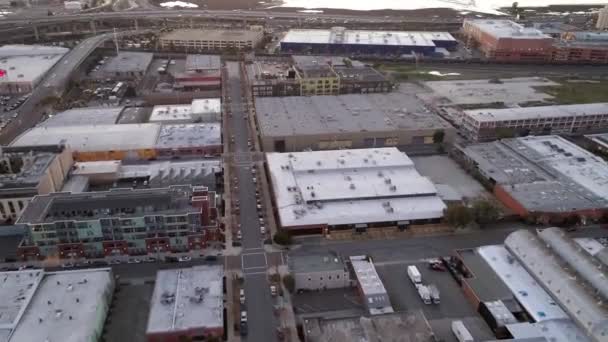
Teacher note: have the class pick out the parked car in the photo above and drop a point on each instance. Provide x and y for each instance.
(184, 259)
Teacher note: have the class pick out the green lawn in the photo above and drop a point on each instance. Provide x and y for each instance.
(569, 93)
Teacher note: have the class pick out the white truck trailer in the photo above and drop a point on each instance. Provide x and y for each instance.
(414, 274)
(434, 294)
(424, 294)
(461, 332)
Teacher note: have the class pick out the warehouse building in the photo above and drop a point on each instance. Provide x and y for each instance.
(55, 306)
(489, 124)
(200, 72)
(187, 302)
(200, 110)
(22, 67)
(350, 189)
(507, 41)
(118, 222)
(347, 121)
(339, 40)
(370, 286)
(115, 142)
(319, 272)
(574, 295)
(125, 66)
(208, 39)
(543, 178)
(84, 116)
(29, 171)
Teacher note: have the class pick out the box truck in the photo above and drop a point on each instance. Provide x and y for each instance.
(424, 294)
(434, 294)
(414, 274)
(461, 332)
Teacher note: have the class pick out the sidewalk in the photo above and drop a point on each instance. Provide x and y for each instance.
(286, 315)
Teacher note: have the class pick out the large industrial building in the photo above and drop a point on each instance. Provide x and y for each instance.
(55, 306)
(84, 116)
(118, 222)
(29, 171)
(489, 124)
(209, 39)
(507, 41)
(544, 178)
(350, 189)
(582, 300)
(339, 40)
(347, 121)
(116, 142)
(187, 302)
(22, 67)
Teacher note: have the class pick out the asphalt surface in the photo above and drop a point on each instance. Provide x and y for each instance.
(259, 303)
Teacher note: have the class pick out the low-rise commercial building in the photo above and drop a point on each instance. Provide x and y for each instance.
(200, 72)
(22, 67)
(211, 39)
(370, 286)
(347, 121)
(319, 272)
(489, 124)
(543, 178)
(116, 142)
(84, 116)
(187, 302)
(29, 171)
(507, 41)
(119, 222)
(55, 306)
(350, 189)
(339, 40)
(125, 66)
(200, 110)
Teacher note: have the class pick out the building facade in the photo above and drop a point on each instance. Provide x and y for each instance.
(119, 222)
(507, 41)
(319, 272)
(582, 47)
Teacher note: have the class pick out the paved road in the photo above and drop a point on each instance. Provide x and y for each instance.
(259, 303)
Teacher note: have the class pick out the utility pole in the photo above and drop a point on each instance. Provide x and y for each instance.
(116, 41)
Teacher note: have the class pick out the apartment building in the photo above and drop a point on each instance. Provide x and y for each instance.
(179, 218)
(29, 171)
(582, 47)
(195, 39)
(490, 124)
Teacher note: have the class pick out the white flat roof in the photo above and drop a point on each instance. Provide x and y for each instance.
(507, 29)
(350, 187)
(77, 294)
(186, 112)
(189, 135)
(175, 302)
(530, 294)
(93, 137)
(541, 112)
(28, 63)
(84, 116)
(398, 38)
(96, 167)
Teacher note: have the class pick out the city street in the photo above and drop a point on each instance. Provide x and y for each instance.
(261, 325)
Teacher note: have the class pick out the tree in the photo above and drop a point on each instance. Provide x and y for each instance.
(282, 238)
(484, 211)
(289, 282)
(515, 8)
(458, 215)
(438, 136)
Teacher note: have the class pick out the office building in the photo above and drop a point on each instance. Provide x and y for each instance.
(29, 171)
(507, 41)
(55, 306)
(187, 302)
(347, 121)
(319, 272)
(350, 189)
(119, 222)
(339, 40)
(490, 124)
(542, 178)
(22, 67)
(211, 39)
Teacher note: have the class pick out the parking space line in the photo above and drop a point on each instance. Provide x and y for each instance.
(254, 273)
(258, 253)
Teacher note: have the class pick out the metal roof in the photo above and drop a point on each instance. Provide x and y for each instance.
(340, 35)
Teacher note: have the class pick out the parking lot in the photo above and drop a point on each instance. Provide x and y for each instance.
(9, 108)
(128, 316)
